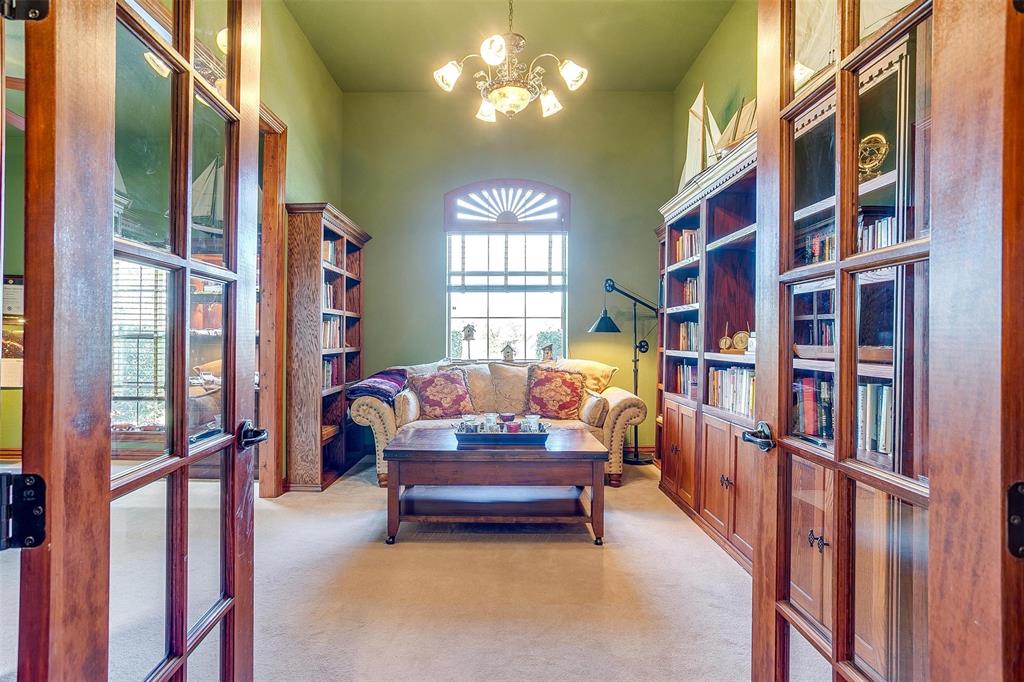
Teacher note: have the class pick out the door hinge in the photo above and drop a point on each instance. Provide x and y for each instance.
(24, 10)
(1015, 519)
(22, 511)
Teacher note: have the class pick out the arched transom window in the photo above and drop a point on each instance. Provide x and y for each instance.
(506, 270)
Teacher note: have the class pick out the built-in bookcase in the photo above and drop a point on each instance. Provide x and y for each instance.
(708, 287)
(325, 255)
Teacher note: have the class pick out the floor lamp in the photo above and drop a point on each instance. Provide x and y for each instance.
(605, 324)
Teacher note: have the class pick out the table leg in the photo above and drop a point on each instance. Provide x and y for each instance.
(597, 503)
(394, 491)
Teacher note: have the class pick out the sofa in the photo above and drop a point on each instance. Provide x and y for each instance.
(606, 411)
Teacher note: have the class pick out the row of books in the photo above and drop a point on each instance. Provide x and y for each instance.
(876, 235)
(334, 372)
(329, 251)
(820, 246)
(331, 332)
(732, 389)
(327, 295)
(689, 291)
(689, 336)
(686, 381)
(813, 407)
(687, 245)
(875, 417)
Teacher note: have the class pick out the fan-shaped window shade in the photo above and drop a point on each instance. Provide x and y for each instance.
(507, 206)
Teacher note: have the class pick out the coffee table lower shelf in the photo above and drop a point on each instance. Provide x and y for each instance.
(495, 504)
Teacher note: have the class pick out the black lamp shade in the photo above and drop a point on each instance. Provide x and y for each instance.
(605, 324)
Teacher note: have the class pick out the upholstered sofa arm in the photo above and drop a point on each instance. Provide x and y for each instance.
(407, 408)
(624, 410)
(380, 417)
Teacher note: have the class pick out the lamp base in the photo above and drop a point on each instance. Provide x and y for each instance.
(636, 460)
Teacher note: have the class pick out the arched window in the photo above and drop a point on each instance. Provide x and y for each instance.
(507, 275)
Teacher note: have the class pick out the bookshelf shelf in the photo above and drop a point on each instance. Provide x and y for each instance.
(736, 418)
(683, 309)
(682, 354)
(742, 237)
(730, 358)
(683, 265)
(325, 305)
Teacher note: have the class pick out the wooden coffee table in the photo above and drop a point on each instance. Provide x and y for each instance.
(495, 484)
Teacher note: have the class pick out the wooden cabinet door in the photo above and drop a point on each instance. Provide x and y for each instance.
(716, 451)
(669, 446)
(743, 524)
(806, 586)
(872, 575)
(686, 455)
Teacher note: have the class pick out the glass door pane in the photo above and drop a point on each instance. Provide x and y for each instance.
(209, 192)
(890, 586)
(894, 133)
(816, 30)
(812, 407)
(892, 369)
(814, 187)
(206, 350)
(810, 542)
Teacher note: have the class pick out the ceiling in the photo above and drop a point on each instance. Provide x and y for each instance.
(394, 45)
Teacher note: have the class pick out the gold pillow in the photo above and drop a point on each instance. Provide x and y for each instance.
(481, 388)
(597, 374)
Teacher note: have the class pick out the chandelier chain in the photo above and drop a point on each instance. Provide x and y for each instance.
(509, 16)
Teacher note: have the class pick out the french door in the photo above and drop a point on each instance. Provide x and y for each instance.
(141, 211)
(884, 532)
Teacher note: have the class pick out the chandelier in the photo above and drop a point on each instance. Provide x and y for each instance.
(507, 85)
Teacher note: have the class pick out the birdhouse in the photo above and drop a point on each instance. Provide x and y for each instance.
(548, 352)
(508, 353)
(469, 333)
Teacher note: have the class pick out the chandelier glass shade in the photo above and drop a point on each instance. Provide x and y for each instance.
(506, 84)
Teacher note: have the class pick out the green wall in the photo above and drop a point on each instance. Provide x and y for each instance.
(727, 67)
(296, 86)
(610, 150)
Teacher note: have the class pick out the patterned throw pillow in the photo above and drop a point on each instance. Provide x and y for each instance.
(442, 394)
(555, 394)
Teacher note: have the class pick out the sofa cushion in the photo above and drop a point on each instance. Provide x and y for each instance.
(442, 394)
(424, 369)
(597, 374)
(509, 383)
(481, 387)
(554, 393)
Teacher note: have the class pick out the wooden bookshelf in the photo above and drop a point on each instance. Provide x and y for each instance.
(714, 215)
(325, 312)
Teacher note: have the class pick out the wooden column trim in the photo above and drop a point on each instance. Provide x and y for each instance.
(70, 61)
(273, 296)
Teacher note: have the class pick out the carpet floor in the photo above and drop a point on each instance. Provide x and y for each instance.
(659, 601)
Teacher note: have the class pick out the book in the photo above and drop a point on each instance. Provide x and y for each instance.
(732, 388)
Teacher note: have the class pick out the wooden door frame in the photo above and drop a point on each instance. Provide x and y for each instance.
(273, 320)
(70, 125)
(977, 274)
(69, 181)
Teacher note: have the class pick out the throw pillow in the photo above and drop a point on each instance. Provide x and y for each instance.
(597, 374)
(555, 394)
(478, 379)
(442, 394)
(509, 387)
(594, 409)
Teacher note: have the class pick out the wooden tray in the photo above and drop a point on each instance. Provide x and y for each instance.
(491, 439)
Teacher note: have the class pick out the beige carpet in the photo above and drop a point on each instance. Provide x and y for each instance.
(659, 601)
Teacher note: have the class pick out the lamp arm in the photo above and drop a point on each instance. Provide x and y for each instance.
(610, 286)
(541, 56)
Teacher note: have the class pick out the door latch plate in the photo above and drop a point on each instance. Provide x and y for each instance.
(24, 10)
(1015, 519)
(22, 511)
